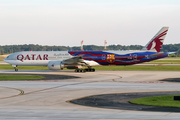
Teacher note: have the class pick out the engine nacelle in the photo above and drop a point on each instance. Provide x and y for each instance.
(55, 65)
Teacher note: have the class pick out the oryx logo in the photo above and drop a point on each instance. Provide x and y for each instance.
(110, 58)
(157, 42)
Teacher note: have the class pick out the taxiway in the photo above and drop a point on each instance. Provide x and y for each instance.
(47, 99)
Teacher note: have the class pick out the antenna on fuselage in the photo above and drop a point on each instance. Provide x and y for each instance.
(82, 45)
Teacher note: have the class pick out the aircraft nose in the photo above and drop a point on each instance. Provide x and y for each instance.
(5, 59)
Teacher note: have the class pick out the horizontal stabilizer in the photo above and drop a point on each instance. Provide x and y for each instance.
(156, 54)
(171, 53)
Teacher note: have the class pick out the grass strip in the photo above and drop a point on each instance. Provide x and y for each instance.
(139, 68)
(20, 77)
(9, 67)
(163, 62)
(1, 58)
(161, 101)
(115, 68)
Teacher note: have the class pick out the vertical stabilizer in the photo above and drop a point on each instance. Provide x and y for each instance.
(155, 44)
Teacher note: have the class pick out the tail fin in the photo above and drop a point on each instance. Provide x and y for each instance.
(155, 44)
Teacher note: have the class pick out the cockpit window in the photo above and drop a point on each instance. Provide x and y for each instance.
(8, 57)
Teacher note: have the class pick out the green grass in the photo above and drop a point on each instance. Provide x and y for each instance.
(1, 59)
(162, 101)
(139, 68)
(170, 58)
(20, 77)
(9, 67)
(131, 68)
(163, 62)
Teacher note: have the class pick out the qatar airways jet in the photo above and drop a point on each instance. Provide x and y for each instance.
(57, 60)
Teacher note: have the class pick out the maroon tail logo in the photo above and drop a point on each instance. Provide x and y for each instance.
(157, 42)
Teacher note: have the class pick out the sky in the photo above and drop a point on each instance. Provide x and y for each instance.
(67, 22)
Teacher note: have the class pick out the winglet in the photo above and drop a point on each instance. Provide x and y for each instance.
(155, 44)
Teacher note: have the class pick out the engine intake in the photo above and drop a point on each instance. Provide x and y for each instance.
(55, 65)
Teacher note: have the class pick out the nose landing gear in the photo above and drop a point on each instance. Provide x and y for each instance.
(15, 67)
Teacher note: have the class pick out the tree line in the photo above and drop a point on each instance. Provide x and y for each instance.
(7, 49)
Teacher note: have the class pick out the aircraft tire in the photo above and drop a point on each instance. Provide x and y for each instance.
(76, 70)
(80, 70)
(16, 69)
(84, 70)
(90, 70)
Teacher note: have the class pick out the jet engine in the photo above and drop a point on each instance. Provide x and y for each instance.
(55, 65)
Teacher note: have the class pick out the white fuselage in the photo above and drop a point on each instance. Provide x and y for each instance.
(40, 58)
(36, 58)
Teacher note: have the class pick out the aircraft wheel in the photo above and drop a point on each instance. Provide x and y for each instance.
(76, 70)
(84, 70)
(91, 70)
(16, 69)
(80, 70)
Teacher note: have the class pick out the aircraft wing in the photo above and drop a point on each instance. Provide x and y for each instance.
(76, 60)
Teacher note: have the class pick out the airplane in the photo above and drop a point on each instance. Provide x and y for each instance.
(78, 60)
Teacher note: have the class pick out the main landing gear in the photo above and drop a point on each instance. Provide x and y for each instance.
(90, 70)
(80, 70)
(85, 70)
